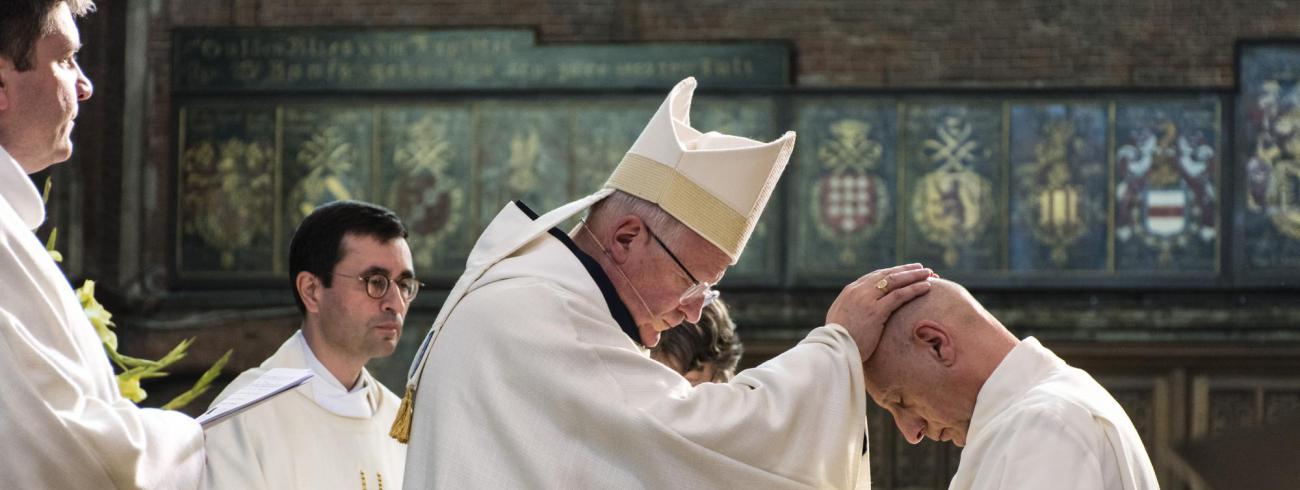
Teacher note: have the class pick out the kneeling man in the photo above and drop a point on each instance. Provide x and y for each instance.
(947, 370)
(353, 280)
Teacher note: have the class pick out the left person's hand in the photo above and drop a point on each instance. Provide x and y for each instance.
(865, 304)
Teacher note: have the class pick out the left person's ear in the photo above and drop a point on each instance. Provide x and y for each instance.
(309, 290)
(938, 345)
(5, 65)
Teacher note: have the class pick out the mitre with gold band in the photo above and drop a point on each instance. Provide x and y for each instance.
(715, 184)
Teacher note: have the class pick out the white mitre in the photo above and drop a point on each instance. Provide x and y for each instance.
(715, 184)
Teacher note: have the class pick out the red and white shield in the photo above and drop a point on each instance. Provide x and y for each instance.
(849, 201)
(1166, 211)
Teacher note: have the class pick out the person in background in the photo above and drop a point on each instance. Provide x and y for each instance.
(705, 351)
(352, 277)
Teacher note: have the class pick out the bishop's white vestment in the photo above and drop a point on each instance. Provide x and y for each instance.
(1039, 423)
(63, 423)
(535, 381)
(307, 438)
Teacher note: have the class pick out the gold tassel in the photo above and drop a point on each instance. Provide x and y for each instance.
(402, 426)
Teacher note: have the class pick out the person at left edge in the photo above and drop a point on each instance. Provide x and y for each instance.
(63, 423)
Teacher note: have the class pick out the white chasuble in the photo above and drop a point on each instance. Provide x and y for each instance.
(532, 383)
(63, 423)
(1039, 423)
(294, 442)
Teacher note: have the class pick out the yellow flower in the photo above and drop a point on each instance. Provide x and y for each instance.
(129, 385)
(99, 317)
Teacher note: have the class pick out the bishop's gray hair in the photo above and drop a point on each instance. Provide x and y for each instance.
(620, 203)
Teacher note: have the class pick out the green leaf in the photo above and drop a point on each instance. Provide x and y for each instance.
(201, 386)
(50, 243)
(177, 353)
(127, 362)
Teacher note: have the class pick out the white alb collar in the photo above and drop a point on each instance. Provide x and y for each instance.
(330, 394)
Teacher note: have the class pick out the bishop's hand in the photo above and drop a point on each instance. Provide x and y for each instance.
(865, 304)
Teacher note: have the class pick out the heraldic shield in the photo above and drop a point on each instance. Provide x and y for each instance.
(851, 200)
(1166, 198)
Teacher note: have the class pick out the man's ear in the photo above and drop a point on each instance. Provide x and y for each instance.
(627, 231)
(6, 68)
(938, 345)
(309, 289)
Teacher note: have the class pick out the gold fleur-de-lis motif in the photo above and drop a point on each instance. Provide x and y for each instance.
(427, 149)
(850, 145)
(329, 156)
(954, 147)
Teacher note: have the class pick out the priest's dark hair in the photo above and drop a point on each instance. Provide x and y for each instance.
(23, 22)
(317, 243)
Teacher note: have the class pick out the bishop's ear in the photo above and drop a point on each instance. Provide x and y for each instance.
(628, 230)
(934, 337)
(309, 289)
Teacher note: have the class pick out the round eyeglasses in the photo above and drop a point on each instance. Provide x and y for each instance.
(377, 285)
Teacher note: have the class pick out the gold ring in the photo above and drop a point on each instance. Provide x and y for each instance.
(883, 285)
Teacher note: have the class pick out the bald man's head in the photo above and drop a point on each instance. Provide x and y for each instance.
(934, 355)
(947, 303)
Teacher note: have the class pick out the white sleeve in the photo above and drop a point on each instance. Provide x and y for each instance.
(57, 434)
(811, 398)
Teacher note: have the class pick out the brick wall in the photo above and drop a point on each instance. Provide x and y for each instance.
(895, 43)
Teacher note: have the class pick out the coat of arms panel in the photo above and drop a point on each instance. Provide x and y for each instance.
(1268, 155)
(425, 155)
(1059, 201)
(226, 200)
(327, 156)
(953, 186)
(845, 195)
(523, 154)
(1166, 185)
